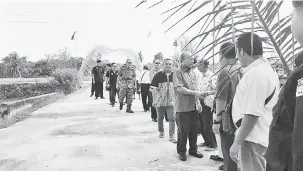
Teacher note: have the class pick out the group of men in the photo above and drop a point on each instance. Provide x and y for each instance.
(258, 123)
(118, 82)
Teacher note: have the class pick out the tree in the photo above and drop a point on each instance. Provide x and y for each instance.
(159, 56)
(236, 17)
(14, 64)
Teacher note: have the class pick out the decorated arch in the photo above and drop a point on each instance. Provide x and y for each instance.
(107, 55)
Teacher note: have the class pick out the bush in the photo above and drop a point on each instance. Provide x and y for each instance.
(21, 91)
(66, 80)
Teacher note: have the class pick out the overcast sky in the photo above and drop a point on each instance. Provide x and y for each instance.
(36, 28)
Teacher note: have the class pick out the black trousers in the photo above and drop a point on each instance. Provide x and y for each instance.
(278, 154)
(153, 110)
(226, 142)
(206, 122)
(112, 94)
(99, 89)
(93, 88)
(146, 96)
(187, 128)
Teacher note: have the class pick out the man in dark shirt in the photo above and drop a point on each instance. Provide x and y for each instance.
(98, 79)
(112, 76)
(227, 82)
(187, 106)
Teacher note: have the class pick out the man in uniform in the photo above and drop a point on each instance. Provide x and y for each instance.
(125, 83)
(98, 79)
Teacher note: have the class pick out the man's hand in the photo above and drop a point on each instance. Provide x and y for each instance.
(234, 152)
(216, 129)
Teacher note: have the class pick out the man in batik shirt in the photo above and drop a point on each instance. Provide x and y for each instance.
(207, 85)
(125, 83)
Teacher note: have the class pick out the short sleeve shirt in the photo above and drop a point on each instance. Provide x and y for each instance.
(257, 84)
(227, 82)
(187, 79)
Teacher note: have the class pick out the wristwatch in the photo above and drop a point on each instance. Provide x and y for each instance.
(216, 122)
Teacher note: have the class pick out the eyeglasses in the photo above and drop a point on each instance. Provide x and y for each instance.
(157, 63)
(114, 66)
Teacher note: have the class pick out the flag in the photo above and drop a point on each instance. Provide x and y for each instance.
(73, 36)
(149, 34)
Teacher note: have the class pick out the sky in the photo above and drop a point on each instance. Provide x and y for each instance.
(35, 28)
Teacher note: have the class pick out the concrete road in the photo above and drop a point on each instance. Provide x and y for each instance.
(79, 133)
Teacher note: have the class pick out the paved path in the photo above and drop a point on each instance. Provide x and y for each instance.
(78, 133)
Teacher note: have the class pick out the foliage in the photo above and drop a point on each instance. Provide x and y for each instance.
(15, 66)
(237, 17)
(66, 80)
(159, 56)
(21, 91)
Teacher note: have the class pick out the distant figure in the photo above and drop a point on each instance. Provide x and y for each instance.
(98, 79)
(112, 76)
(144, 82)
(125, 84)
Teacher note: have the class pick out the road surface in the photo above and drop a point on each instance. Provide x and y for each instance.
(79, 133)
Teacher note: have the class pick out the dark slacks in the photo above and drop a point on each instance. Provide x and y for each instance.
(93, 88)
(153, 110)
(113, 92)
(187, 128)
(146, 96)
(99, 89)
(206, 121)
(226, 142)
(278, 154)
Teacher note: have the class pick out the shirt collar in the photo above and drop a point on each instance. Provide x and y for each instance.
(255, 63)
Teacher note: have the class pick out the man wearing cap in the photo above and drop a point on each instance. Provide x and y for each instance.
(125, 83)
(207, 85)
(187, 106)
(98, 79)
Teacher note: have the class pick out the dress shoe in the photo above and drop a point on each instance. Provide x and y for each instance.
(216, 158)
(129, 111)
(221, 167)
(203, 145)
(196, 154)
(183, 157)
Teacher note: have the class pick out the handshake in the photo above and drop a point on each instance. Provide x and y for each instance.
(204, 94)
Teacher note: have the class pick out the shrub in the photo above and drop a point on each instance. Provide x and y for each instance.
(21, 91)
(66, 80)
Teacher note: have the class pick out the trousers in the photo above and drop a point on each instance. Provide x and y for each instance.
(187, 128)
(252, 157)
(128, 93)
(112, 94)
(99, 89)
(171, 115)
(146, 96)
(206, 121)
(226, 142)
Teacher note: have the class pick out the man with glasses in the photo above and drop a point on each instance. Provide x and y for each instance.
(156, 68)
(112, 76)
(125, 84)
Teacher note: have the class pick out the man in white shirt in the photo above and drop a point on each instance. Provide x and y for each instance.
(256, 95)
(144, 82)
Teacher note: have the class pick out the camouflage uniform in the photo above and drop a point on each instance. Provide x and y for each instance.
(127, 76)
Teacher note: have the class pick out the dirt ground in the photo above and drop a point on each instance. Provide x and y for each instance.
(79, 133)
